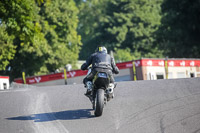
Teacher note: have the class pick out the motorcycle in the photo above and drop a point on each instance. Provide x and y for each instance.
(101, 92)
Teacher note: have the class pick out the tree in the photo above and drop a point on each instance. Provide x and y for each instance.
(20, 20)
(122, 55)
(90, 15)
(7, 49)
(126, 24)
(59, 23)
(43, 38)
(180, 29)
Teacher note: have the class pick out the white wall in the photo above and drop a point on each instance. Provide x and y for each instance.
(153, 71)
(4, 84)
(182, 72)
(173, 72)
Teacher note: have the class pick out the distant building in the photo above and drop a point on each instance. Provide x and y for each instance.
(4, 82)
(153, 69)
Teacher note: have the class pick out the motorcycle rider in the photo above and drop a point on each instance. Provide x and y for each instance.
(100, 61)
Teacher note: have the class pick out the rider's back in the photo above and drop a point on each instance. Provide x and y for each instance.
(101, 60)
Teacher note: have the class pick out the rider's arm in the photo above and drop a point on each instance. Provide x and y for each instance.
(87, 63)
(115, 68)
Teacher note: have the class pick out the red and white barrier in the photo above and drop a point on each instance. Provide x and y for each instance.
(171, 62)
(70, 75)
(125, 70)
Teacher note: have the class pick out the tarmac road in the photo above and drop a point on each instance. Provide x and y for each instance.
(161, 106)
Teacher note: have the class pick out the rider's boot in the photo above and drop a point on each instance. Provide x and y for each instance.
(88, 85)
(111, 90)
(115, 84)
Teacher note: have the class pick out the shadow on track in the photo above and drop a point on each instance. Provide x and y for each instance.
(63, 115)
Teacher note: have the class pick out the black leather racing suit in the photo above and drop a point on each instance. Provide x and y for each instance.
(100, 61)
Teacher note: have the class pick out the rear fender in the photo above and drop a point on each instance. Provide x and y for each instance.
(101, 80)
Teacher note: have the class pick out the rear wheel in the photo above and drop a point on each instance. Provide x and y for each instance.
(99, 101)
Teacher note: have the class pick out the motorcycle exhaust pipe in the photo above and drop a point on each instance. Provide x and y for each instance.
(110, 88)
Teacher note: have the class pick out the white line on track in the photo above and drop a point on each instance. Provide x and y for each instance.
(44, 120)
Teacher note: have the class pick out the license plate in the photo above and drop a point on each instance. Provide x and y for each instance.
(102, 75)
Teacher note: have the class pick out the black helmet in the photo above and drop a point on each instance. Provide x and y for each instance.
(101, 49)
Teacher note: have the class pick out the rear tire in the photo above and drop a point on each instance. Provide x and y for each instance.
(99, 102)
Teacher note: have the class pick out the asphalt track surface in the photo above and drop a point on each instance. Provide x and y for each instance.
(161, 106)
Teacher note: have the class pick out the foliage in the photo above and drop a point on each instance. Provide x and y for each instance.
(41, 39)
(39, 36)
(122, 55)
(20, 19)
(123, 24)
(180, 29)
(7, 49)
(90, 14)
(59, 21)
